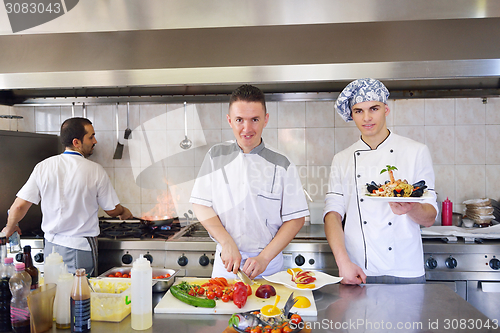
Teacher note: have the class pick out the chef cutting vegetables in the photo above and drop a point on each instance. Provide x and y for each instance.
(247, 195)
(374, 239)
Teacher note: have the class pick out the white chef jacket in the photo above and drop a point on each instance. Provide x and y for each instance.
(376, 239)
(253, 194)
(71, 189)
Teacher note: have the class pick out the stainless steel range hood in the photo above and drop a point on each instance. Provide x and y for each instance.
(447, 48)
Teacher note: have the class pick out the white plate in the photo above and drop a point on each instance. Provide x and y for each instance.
(426, 195)
(284, 278)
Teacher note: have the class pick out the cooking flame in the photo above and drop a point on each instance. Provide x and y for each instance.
(164, 209)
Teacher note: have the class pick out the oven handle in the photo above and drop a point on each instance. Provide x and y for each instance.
(490, 287)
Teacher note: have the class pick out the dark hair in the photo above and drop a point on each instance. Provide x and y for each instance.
(73, 128)
(248, 93)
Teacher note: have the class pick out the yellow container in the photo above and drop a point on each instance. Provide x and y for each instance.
(110, 300)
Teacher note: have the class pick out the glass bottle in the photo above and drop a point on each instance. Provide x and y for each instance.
(29, 267)
(5, 295)
(80, 303)
(19, 285)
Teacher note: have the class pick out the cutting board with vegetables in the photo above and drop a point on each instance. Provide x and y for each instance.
(170, 304)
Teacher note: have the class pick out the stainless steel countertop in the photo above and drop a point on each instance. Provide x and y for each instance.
(370, 308)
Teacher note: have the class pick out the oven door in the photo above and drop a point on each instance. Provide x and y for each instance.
(484, 296)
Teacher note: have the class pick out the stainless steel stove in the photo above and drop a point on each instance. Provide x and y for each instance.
(470, 266)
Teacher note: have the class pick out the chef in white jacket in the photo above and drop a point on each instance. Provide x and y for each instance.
(376, 241)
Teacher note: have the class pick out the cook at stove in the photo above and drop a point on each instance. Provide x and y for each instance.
(380, 242)
(71, 188)
(248, 196)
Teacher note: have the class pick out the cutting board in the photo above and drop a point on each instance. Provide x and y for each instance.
(170, 304)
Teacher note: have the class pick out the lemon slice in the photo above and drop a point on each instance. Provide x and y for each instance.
(291, 271)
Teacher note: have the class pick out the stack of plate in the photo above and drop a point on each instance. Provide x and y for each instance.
(480, 211)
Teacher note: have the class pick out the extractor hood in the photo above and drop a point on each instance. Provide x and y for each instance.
(424, 51)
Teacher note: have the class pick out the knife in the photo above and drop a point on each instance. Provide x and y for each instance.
(243, 277)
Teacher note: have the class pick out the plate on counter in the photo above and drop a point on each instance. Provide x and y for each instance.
(284, 278)
(425, 196)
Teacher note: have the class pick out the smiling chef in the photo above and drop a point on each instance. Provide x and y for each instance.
(247, 195)
(375, 241)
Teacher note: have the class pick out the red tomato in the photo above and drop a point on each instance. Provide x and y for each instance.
(256, 329)
(118, 274)
(125, 275)
(167, 276)
(218, 292)
(287, 329)
(267, 329)
(111, 275)
(249, 290)
(276, 330)
(210, 295)
(295, 319)
(192, 292)
(225, 298)
(201, 291)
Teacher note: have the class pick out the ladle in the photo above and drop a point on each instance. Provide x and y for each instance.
(186, 143)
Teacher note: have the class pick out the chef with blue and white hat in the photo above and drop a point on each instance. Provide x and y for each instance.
(380, 241)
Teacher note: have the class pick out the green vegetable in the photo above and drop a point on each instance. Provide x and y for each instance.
(178, 293)
(389, 169)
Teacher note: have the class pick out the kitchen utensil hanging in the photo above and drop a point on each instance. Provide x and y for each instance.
(119, 147)
(128, 131)
(186, 143)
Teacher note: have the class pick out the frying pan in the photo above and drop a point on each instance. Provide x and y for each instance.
(158, 221)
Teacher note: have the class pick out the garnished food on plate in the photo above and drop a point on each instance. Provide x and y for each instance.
(395, 188)
(303, 279)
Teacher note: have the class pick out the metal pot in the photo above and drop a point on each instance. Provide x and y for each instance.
(457, 219)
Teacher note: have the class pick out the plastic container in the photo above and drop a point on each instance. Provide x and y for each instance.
(40, 303)
(447, 213)
(52, 267)
(19, 285)
(29, 267)
(110, 300)
(80, 303)
(62, 300)
(142, 295)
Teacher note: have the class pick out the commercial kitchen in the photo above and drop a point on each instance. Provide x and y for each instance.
(165, 70)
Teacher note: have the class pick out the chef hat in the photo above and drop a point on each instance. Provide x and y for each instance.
(358, 91)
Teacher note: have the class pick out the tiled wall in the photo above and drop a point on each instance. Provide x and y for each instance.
(463, 135)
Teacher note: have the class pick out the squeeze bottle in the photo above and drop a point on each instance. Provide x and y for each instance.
(62, 300)
(52, 267)
(447, 213)
(142, 294)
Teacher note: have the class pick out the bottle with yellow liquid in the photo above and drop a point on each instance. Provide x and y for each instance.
(142, 294)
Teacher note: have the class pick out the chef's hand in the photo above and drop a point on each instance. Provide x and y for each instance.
(401, 208)
(352, 274)
(231, 257)
(126, 214)
(255, 266)
(8, 231)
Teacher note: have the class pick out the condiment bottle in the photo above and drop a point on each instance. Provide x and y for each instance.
(5, 295)
(80, 303)
(62, 300)
(142, 294)
(3, 247)
(19, 285)
(447, 213)
(52, 267)
(29, 267)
